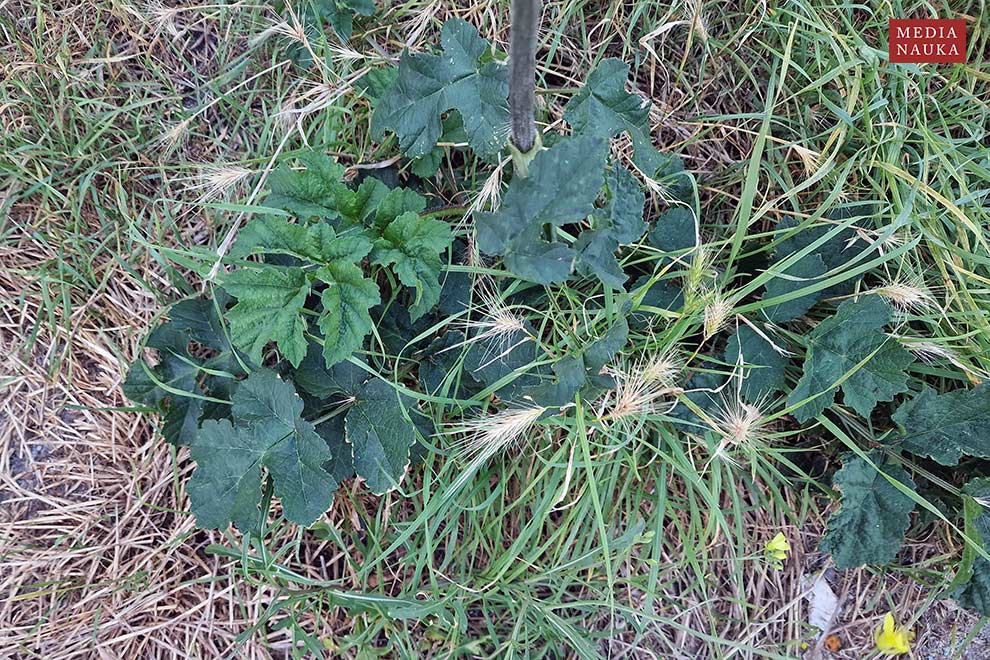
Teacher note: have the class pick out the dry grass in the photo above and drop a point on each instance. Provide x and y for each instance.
(98, 558)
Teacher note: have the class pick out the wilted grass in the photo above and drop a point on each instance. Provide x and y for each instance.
(141, 134)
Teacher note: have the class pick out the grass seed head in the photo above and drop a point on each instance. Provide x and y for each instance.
(483, 437)
(497, 323)
(170, 140)
(740, 424)
(490, 195)
(640, 388)
(162, 17)
(717, 313)
(909, 295)
(217, 182)
(930, 352)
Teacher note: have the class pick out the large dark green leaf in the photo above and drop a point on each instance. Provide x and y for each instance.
(796, 277)
(675, 231)
(604, 108)
(563, 184)
(873, 515)
(269, 307)
(381, 433)
(947, 426)
(412, 246)
(762, 366)
(837, 347)
(267, 433)
(171, 386)
(462, 78)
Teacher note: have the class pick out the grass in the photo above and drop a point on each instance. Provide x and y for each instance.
(139, 136)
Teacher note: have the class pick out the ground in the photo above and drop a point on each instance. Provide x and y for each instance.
(134, 130)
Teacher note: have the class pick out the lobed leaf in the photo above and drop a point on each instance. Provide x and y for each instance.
(270, 303)
(463, 78)
(869, 526)
(272, 299)
(308, 193)
(346, 319)
(604, 108)
(562, 186)
(172, 385)
(795, 278)
(763, 367)
(948, 426)
(837, 346)
(268, 433)
(380, 434)
(412, 246)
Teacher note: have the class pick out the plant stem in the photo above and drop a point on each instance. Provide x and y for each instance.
(522, 72)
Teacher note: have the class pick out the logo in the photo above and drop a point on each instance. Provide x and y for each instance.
(927, 41)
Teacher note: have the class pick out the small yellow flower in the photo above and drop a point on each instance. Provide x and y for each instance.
(892, 640)
(777, 549)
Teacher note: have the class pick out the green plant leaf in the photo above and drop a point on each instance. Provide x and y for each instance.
(345, 320)
(834, 252)
(199, 318)
(356, 206)
(412, 246)
(380, 434)
(453, 132)
(313, 377)
(340, 14)
(493, 358)
(675, 230)
(271, 299)
(581, 371)
(377, 82)
(172, 386)
(837, 345)
(162, 386)
(440, 363)
(703, 390)
(397, 202)
(621, 223)
(462, 78)
(268, 433)
(974, 592)
(308, 193)
(596, 257)
(624, 208)
(869, 526)
(341, 467)
(562, 186)
(604, 108)
(317, 243)
(763, 367)
(804, 273)
(269, 307)
(946, 427)
(661, 294)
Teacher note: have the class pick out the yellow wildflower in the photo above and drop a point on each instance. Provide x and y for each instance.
(777, 549)
(892, 640)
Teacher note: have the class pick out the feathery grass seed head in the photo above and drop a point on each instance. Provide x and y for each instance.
(483, 437)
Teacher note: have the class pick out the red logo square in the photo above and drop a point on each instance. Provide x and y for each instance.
(927, 41)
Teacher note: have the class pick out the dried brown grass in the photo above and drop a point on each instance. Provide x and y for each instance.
(99, 559)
